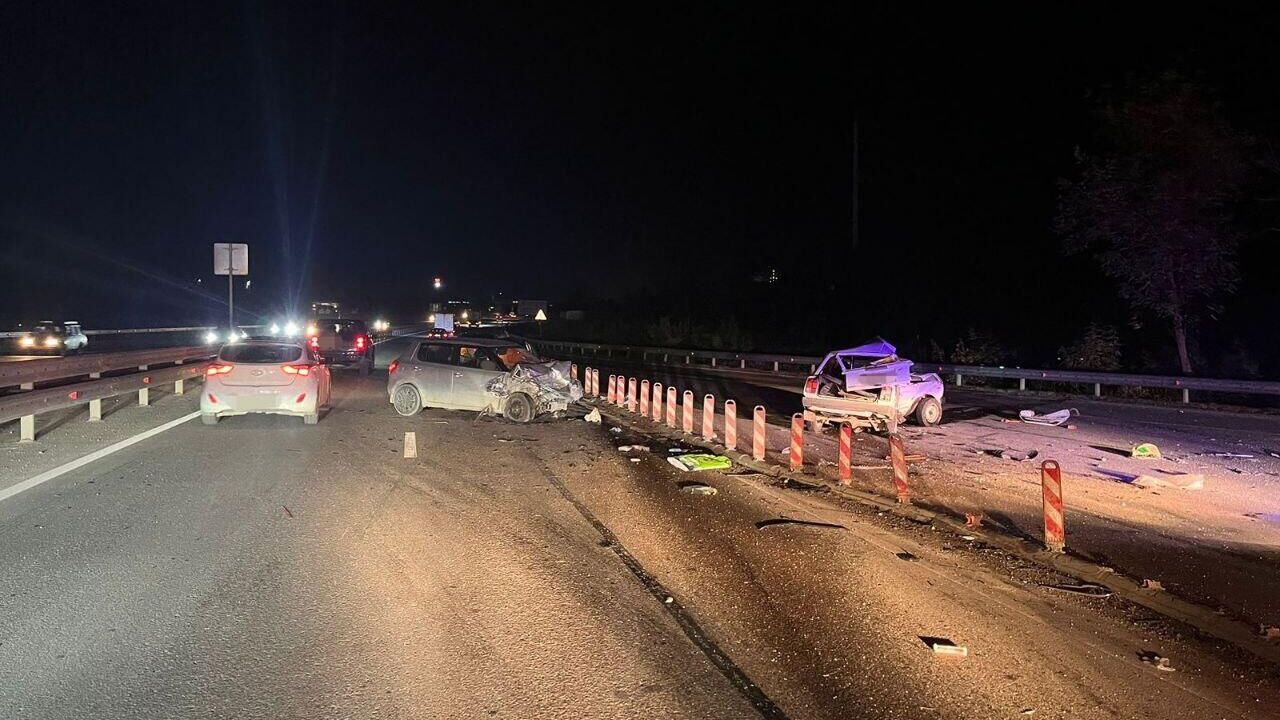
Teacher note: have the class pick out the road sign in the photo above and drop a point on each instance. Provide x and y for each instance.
(230, 259)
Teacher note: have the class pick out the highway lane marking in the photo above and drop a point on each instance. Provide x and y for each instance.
(48, 475)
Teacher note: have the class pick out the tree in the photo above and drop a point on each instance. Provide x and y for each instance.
(1155, 201)
(1098, 349)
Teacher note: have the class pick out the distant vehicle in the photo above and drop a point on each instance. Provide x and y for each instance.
(342, 343)
(265, 376)
(222, 336)
(438, 333)
(49, 337)
(869, 386)
(380, 328)
(479, 374)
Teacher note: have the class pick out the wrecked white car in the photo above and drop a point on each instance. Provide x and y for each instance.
(870, 387)
(501, 377)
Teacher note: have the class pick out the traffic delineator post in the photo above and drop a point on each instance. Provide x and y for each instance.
(631, 395)
(671, 407)
(846, 453)
(573, 371)
(657, 402)
(1055, 529)
(898, 460)
(730, 425)
(797, 442)
(686, 416)
(644, 398)
(758, 433)
(708, 417)
(613, 384)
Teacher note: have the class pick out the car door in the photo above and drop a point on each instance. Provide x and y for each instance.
(431, 367)
(474, 368)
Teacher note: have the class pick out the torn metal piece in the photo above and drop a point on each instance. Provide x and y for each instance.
(548, 384)
(1054, 418)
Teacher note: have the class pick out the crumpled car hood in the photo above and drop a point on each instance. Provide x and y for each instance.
(548, 383)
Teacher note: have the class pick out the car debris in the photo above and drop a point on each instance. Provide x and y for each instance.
(1150, 584)
(698, 489)
(697, 462)
(1086, 589)
(593, 416)
(1019, 455)
(1160, 662)
(630, 448)
(1145, 451)
(1186, 481)
(946, 648)
(870, 387)
(548, 384)
(1054, 418)
(1241, 456)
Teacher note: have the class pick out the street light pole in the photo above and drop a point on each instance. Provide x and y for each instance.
(231, 276)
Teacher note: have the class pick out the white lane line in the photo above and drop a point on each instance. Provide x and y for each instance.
(48, 475)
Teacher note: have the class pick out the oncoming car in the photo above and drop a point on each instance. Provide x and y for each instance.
(480, 374)
(49, 337)
(265, 376)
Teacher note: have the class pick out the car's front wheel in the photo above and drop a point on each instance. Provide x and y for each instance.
(406, 400)
(519, 408)
(929, 411)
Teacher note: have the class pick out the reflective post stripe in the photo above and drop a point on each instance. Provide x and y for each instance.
(595, 383)
(687, 416)
(644, 398)
(730, 425)
(757, 433)
(613, 388)
(1055, 529)
(708, 417)
(797, 442)
(657, 402)
(846, 453)
(671, 407)
(631, 395)
(898, 459)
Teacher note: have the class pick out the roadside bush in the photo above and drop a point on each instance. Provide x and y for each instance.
(1098, 349)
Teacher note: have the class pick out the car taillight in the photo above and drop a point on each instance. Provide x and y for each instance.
(811, 386)
(303, 370)
(313, 341)
(360, 341)
(392, 367)
(218, 369)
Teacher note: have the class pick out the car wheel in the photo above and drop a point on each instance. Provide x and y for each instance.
(209, 418)
(519, 408)
(929, 412)
(311, 418)
(406, 400)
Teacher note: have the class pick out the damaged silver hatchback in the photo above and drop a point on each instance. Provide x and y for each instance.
(500, 377)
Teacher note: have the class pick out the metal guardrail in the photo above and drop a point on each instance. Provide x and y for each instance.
(803, 364)
(72, 392)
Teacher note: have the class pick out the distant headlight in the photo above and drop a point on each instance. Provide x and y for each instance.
(232, 338)
(312, 330)
(51, 342)
(210, 338)
(275, 329)
(290, 328)
(27, 341)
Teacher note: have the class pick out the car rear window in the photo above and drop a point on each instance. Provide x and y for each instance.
(264, 353)
(345, 329)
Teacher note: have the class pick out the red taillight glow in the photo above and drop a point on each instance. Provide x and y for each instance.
(217, 369)
(360, 341)
(303, 370)
(313, 341)
(392, 367)
(811, 386)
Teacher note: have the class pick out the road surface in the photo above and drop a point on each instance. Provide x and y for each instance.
(261, 568)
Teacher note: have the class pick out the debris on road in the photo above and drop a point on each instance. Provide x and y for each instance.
(1270, 632)
(904, 555)
(1054, 418)
(593, 416)
(697, 462)
(615, 430)
(637, 448)
(973, 521)
(774, 522)
(1150, 584)
(1087, 589)
(288, 512)
(1241, 456)
(1145, 451)
(1158, 661)
(1188, 481)
(1019, 455)
(698, 489)
(945, 648)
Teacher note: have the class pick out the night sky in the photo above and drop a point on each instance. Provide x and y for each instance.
(581, 151)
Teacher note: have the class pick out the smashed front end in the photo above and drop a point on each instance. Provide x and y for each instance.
(548, 384)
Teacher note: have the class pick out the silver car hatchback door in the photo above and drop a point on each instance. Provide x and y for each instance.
(430, 370)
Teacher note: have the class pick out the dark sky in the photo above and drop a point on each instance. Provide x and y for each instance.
(546, 150)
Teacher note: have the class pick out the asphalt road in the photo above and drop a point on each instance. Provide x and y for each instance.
(261, 568)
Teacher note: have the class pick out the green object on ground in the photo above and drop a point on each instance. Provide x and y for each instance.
(1147, 451)
(696, 462)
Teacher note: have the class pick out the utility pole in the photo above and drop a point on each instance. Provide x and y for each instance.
(231, 302)
(854, 245)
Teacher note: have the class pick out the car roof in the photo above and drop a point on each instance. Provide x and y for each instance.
(472, 341)
(268, 340)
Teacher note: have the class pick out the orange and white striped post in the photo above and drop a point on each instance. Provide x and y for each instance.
(730, 425)
(687, 415)
(1055, 528)
(898, 459)
(846, 453)
(631, 395)
(595, 382)
(586, 382)
(657, 402)
(758, 433)
(573, 371)
(613, 389)
(671, 407)
(708, 417)
(797, 442)
(644, 398)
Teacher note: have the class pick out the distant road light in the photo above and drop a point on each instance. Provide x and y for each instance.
(437, 283)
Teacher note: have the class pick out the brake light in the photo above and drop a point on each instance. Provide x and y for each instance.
(392, 367)
(303, 370)
(313, 341)
(811, 386)
(360, 340)
(217, 369)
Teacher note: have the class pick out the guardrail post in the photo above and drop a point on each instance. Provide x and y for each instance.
(686, 359)
(179, 386)
(1022, 383)
(713, 361)
(27, 429)
(959, 380)
(27, 386)
(95, 406)
(775, 366)
(1186, 395)
(1097, 389)
(742, 363)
